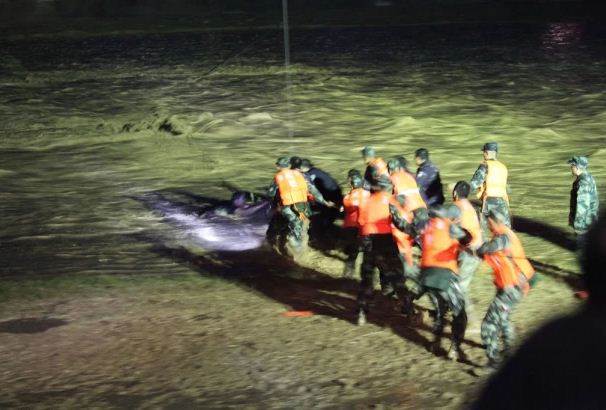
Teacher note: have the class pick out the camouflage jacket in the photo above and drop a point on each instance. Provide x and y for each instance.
(583, 203)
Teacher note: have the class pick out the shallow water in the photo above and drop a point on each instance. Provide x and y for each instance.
(82, 132)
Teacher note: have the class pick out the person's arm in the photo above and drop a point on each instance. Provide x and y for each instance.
(272, 190)
(478, 177)
(496, 244)
(400, 222)
(316, 194)
(460, 234)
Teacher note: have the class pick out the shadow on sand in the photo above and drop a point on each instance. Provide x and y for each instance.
(555, 235)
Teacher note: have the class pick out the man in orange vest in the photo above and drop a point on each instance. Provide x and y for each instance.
(289, 190)
(513, 275)
(441, 243)
(490, 183)
(375, 166)
(468, 261)
(380, 249)
(350, 230)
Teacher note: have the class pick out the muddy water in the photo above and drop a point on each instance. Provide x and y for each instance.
(90, 124)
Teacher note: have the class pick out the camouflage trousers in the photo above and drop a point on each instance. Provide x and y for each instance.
(497, 324)
(450, 299)
(296, 215)
(496, 204)
(380, 251)
(468, 264)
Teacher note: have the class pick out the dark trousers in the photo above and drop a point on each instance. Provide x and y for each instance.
(381, 252)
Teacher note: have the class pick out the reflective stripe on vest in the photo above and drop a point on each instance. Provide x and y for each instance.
(292, 186)
(402, 239)
(495, 184)
(508, 264)
(405, 184)
(439, 249)
(470, 221)
(351, 204)
(374, 215)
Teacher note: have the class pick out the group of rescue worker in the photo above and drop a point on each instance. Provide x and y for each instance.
(389, 212)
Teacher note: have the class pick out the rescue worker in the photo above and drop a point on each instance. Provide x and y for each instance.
(468, 261)
(584, 202)
(375, 166)
(405, 184)
(441, 242)
(428, 179)
(490, 183)
(584, 205)
(350, 230)
(290, 190)
(380, 250)
(513, 275)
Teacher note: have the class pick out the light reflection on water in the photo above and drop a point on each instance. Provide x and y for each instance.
(80, 117)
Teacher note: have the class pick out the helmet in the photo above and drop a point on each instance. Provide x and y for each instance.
(283, 162)
(491, 146)
(393, 165)
(368, 152)
(356, 181)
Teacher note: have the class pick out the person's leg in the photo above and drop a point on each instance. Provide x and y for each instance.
(511, 297)
(468, 264)
(455, 299)
(366, 291)
(351, 247)
(493, 326)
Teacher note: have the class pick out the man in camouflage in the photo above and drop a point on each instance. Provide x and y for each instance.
(379, 249)
(296, 214)
(375, 166)
(490, 181)
(513, 276)
(441, 242)
(583, 199)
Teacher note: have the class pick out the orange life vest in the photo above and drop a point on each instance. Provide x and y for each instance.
(351, 204)
(470, 222)
(405, 184)
(380, 165)
(495, 184)
(439, 249)
(292, 186)
(508, 264)
(374, 217)
(403, 240)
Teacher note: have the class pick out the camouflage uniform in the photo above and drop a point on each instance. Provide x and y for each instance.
(468, 264)
(497, 323)
(297, 214)
(584, 202)
(499, 205)
(441, 285)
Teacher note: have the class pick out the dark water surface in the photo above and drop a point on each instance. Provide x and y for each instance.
(81, 119)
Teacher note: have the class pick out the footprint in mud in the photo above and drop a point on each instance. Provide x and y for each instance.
(30, 325)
